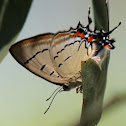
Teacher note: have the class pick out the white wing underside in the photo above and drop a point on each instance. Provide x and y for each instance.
(55, 58)
(65, 47)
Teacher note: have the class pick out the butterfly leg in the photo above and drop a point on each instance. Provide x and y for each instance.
(80, 45)
(79, 89)
(84, 40)
(87, 44)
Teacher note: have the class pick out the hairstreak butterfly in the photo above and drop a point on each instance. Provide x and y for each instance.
(57, 57)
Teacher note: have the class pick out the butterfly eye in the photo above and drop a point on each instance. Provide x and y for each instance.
(95, 36)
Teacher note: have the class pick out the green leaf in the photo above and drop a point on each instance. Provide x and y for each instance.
(94, 73)
(12, 17)
(101, 15)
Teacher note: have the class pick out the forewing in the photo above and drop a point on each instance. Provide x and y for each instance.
(67, 52)
(33, 53)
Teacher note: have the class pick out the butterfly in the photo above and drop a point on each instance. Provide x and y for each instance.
(57, 57)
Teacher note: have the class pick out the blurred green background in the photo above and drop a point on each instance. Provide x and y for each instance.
(23, 95)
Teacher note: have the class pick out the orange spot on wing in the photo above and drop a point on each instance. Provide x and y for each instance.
(90, 39)
(107, 46)
(79, 34)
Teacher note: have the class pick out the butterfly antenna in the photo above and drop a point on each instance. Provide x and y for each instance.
(60, 90)
(53, 93)
(89, 18)
(106, 34)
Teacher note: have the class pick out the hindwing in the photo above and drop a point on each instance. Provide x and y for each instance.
(67, 51)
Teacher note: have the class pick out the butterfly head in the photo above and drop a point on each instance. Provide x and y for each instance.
(100, 37)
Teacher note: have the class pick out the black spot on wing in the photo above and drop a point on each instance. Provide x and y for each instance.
(71, 43)
(67, 58)
(60, 65)
(60, 51)
(44, 50)
(42, 67)
(52, 73)
(27, 61)
(55, 57)
(38, 52)
(67, 45)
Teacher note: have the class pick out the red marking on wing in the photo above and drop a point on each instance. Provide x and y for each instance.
(90, 39)
(79, 34)
(107, 46)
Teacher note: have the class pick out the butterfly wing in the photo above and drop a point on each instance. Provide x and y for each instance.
(67, 53)
(33, 53)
